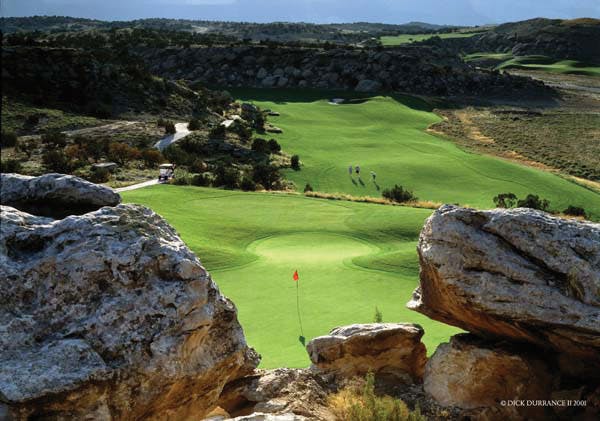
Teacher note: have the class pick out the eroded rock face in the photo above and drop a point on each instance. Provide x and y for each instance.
(109, 316)
(471, 373)
(54, 195)
(382, 348)
(517, 274)
(281, 391)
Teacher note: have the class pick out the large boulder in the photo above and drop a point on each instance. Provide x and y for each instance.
(471, 373)
(109, 316)
(517, 274)
(382, 348)
(54, 195)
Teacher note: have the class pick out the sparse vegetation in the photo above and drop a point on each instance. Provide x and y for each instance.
(399, 194)
(378, 318)
(358, 402)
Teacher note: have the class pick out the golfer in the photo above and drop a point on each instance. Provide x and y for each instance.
(357, 170)
(350, 170)
(373, 175)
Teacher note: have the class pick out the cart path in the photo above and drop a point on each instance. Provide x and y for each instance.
(138, 186)
(181, 131)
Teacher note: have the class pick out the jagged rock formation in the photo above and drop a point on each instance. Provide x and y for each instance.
(54, 194)
(279, 391)
(382, 348)
(516, 274)
(109, 316)
(470, 373)
(413, 69)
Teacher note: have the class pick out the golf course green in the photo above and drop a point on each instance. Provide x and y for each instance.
(351, 258)
(387, 135)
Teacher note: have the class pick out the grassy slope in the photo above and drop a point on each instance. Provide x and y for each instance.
(351, 257)
(408, 38)
(386, 135)
(507, 61)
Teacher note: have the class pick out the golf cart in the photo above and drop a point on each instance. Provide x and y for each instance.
(165, 172)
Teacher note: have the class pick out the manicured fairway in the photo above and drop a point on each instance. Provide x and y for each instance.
(543, 63)
(387, 135)
(351, 257)
(408, 38)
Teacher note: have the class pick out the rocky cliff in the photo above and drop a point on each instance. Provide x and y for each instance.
(107, 315)
(413, 69)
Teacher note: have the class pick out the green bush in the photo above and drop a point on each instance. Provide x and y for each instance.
(274, 147)
(266, 174)
(181, 178)
(248, 184)
(575, 211)
(295, 163)
(99, 175)
(399, 194)
(170, 128)
(54, 139)
(307, 188)
(227, 176)
(55, 160)
(151, 157)
(378, 318)
(217, 132)
(8, 139)
(260, 145)
(505, 200)
(534, 202)
(194, 124)
(10, 165)
(200, 180)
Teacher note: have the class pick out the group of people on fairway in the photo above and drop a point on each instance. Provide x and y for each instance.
(357, 169)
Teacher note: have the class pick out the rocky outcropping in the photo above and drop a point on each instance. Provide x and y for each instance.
(109, 316)
(382, 348)
(516, 274)
(469, 373)
(280, 391)
(54, 195)
(412, 69)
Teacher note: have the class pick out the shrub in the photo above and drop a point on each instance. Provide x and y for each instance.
(378, 318)
(8, 139)
(260, 145)
(248, 184)
(575, 211)
(122, 153)
(99, 175)
(266, 174)
(217, 132)
(358, 402)
(151, 157)
(227, 176)
(55, 160)
(54, 139)
(505, 200)
(274, 147)
(200, 180)
(181, 178)
(194, 124)
(174, 154)
(10, 165)
(307, 188)
(295, 163)
(399, 194)
(534, 202)
(76, 152)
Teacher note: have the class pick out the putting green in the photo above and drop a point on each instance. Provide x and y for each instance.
(387, 135)
(351, 258)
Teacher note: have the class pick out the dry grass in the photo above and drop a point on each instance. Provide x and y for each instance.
(423, 204)
(358, 402)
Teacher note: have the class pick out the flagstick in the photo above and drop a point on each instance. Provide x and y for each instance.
(298, 307)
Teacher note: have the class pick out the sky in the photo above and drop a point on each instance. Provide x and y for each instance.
(452, 12)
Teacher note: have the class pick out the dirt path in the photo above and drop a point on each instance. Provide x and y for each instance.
(181, 132)
(138, 186)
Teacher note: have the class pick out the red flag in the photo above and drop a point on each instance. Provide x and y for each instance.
(296, 277)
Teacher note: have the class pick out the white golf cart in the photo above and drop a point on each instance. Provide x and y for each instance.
(166, 172)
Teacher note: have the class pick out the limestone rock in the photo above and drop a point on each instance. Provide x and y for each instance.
(283, 390)
(109, 316)
(54, 195)
(383, 348)
(367, 85)
(469, 373)
(259, 416)
(517, 274)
